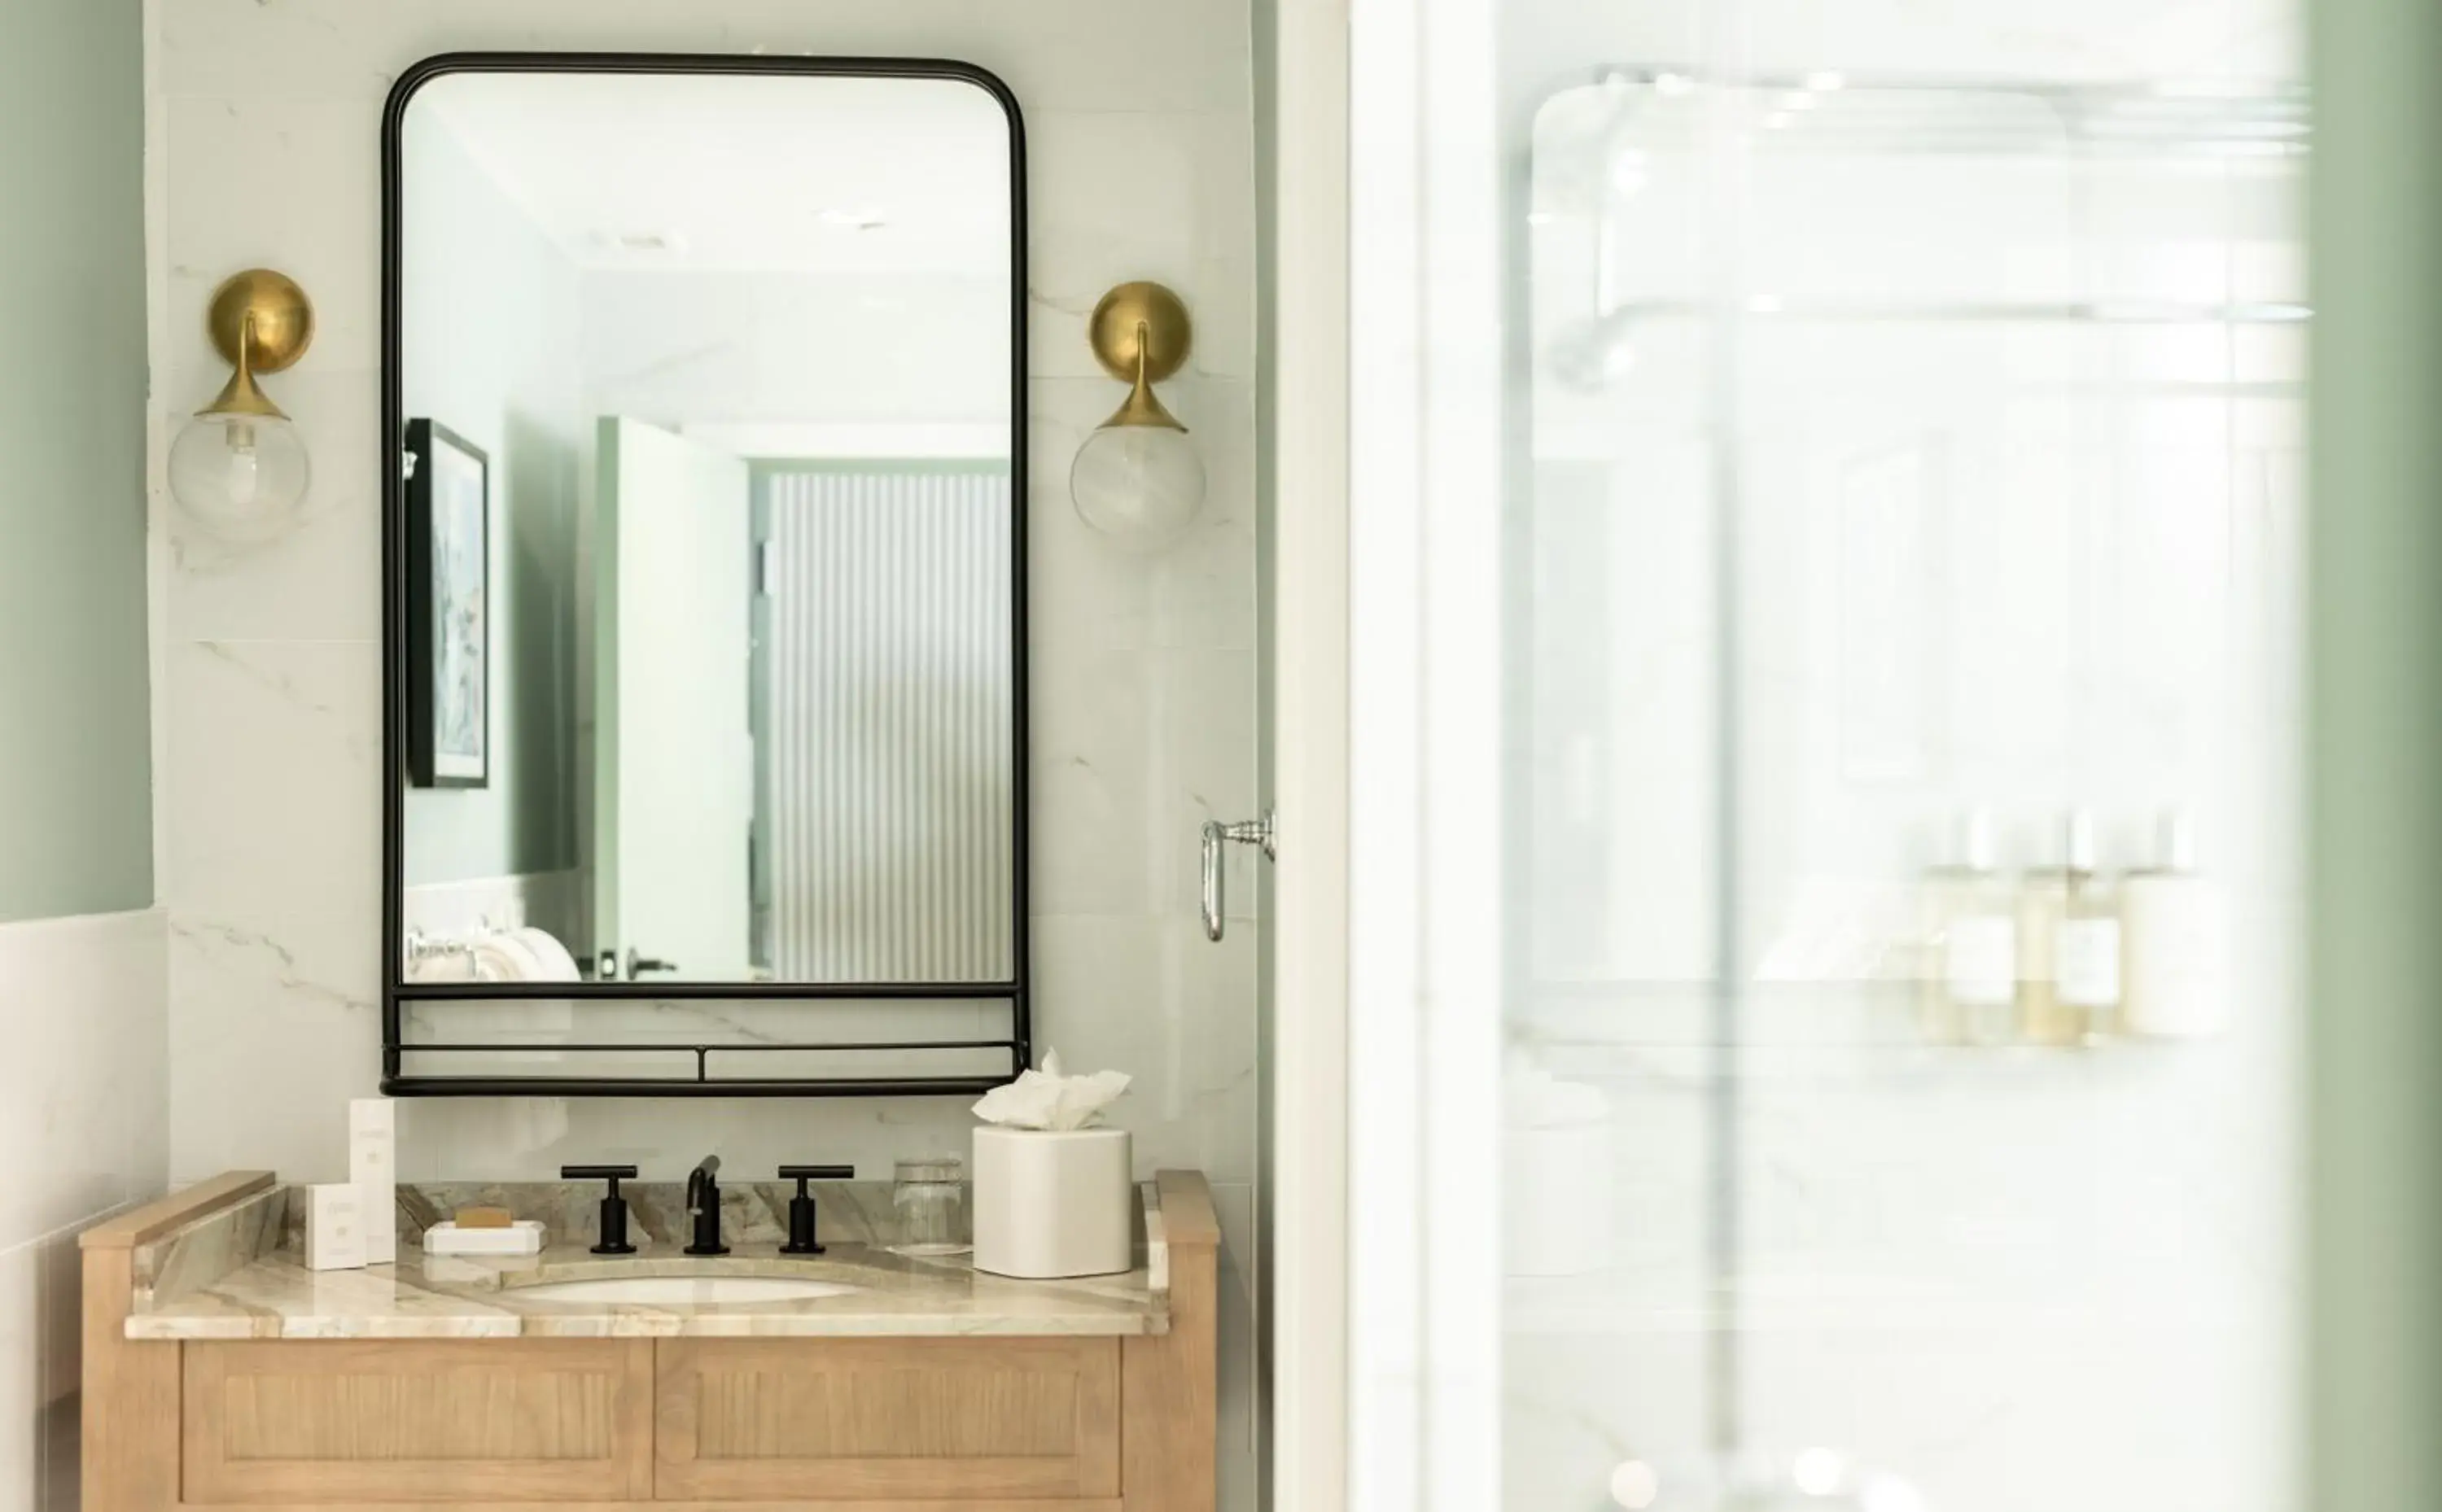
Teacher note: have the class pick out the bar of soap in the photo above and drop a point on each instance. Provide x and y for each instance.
(483, 1217)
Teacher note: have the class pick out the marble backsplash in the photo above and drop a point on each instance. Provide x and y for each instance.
(752, 1213)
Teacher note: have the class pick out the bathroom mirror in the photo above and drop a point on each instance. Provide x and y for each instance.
(706, 615)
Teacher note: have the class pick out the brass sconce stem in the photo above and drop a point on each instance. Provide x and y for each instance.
(260, 322)
(241, 395)
(1141, 334)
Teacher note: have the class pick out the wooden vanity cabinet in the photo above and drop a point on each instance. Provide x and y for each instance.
(887, 1419)
(341, 1422)
(959, 1424)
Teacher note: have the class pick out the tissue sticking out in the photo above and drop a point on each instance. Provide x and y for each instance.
(1051, 1099)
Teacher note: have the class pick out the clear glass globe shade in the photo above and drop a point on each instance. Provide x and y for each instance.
(1141, 485)
(240, 476)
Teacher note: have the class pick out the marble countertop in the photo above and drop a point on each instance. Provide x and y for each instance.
(241, 1281)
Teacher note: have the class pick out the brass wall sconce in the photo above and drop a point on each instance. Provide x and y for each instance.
(1137, 478)
(239, 466)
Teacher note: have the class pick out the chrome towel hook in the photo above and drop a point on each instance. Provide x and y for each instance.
(1245, 832)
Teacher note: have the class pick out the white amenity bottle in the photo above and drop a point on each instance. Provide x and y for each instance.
(2174, 943)
(1972, 941)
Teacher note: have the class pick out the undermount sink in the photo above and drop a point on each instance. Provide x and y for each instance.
(682, 1291)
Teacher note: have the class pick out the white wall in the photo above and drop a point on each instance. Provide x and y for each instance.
(83, 1105)
(1139, 147)
(680, 347)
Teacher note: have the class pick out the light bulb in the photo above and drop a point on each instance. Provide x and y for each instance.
(1140, 484)
(241, 475)
(244, 466)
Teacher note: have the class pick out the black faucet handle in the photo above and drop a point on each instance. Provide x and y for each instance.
(614, 1237)
(801, 1207)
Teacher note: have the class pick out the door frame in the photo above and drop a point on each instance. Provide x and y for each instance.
(1303, 1304)
(1389, 370)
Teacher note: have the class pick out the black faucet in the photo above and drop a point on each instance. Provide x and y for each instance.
(704, 1206)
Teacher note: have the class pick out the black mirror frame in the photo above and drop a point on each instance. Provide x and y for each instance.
(396, 991)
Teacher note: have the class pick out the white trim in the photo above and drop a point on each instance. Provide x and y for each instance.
(1386, 810)
(1307, 1281)
(17, 931)
(1425, 732)
(1459, 873)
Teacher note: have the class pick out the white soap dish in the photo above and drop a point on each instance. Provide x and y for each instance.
(524, 1237)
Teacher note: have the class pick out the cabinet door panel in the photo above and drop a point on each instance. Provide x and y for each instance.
(846, 1420)
(308, 1422)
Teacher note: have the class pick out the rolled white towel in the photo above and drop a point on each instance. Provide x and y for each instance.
(552, 963)
(505, 959)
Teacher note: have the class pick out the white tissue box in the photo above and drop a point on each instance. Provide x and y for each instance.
(1053, 1203)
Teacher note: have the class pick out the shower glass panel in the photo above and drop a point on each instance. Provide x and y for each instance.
(1901, 817)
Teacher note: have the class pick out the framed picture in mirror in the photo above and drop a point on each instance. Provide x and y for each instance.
(448, 609)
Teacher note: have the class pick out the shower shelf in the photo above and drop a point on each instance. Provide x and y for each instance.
(1991, 312)
(1925, 116)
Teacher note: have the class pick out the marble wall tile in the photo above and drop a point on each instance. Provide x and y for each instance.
(1114, 196)
(273, 790)
(273, 889)
(1185, 55)
(235, 162)
(320, 581)
(1091, 591)
(1152, 997)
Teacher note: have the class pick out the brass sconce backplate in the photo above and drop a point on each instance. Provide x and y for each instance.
(1152, 310)
(283, 319)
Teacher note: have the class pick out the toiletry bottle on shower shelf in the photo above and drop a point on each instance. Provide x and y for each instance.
(2174, 968)
(2043, 899)
(2086, 950)
(1970, 942)
(2063, 914)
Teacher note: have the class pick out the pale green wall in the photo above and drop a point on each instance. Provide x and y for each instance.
(490, 352)
(76, 778)
(2375, 547)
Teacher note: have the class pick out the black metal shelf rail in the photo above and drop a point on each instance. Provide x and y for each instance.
(704, 1083)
